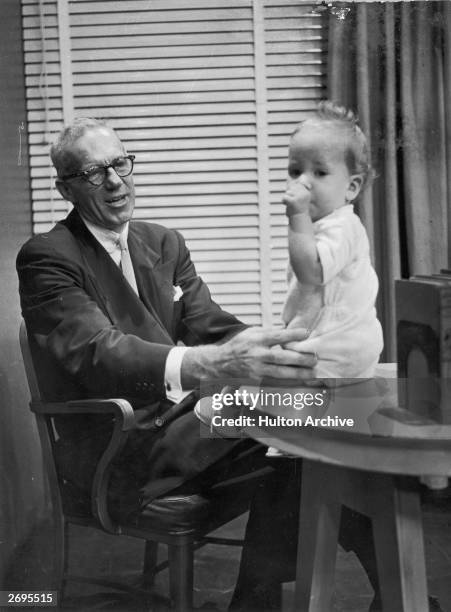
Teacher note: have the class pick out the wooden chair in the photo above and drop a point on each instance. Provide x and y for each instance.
(181, 533)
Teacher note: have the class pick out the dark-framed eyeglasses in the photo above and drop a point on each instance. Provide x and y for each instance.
(123, 166)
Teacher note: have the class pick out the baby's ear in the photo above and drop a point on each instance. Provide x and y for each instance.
(354, 187)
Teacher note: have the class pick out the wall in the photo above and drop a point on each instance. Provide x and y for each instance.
(21, 485)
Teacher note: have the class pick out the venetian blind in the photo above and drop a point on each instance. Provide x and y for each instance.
(295, 43)
(205, 94)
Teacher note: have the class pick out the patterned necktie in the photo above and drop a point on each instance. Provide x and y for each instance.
(126, 264)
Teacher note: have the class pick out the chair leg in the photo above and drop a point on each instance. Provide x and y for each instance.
(60, 558)
(150, 562)
(65, 559)
(181, 561)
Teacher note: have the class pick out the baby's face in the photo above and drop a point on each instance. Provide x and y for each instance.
(317, 160)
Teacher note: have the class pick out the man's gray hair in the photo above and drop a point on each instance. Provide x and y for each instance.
(60, 151)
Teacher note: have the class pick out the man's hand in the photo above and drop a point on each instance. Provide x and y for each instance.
(297, 198)
(254, 353)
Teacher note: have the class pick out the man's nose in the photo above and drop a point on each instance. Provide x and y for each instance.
(112, 178)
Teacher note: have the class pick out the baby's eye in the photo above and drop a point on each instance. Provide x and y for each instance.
(294, 173)
(320, 173)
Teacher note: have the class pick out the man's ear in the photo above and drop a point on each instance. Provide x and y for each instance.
(354, 187)
(65, 190)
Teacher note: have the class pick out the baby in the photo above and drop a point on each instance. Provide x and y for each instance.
(332, 286)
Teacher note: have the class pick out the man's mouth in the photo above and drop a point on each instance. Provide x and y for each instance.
(116, 199)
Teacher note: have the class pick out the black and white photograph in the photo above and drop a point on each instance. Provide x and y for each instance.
(226, 283)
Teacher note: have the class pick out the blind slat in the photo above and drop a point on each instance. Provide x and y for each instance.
(138, 16)
(157, 5)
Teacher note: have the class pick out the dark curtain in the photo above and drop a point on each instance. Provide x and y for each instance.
(391, 62)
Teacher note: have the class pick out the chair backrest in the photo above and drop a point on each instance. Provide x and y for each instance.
(76, 509)
(28, 363)
(47, 438)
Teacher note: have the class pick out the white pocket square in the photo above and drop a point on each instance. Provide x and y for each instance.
(177, 293)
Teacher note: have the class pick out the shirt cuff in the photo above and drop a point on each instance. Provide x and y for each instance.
(172, 377)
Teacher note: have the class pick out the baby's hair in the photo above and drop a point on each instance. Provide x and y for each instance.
(357, 155)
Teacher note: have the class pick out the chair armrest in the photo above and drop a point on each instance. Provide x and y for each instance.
(124, 422)
(120, 408)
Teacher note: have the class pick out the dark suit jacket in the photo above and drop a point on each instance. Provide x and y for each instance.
(91, 336)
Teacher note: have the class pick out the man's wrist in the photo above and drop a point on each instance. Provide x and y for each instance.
(202, 363)
(172, 371)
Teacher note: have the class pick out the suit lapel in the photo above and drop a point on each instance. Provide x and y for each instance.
(115, 294)
(155, 280)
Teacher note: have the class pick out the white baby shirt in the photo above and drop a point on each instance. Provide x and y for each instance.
(340, 313)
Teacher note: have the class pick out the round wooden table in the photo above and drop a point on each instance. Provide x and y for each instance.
(372, 467)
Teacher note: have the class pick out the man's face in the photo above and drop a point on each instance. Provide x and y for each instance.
(111, 204)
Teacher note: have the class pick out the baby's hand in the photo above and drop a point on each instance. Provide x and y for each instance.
(297, 198)
(296, 345)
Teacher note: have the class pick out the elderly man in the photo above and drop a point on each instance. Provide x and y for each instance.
(97, 295)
